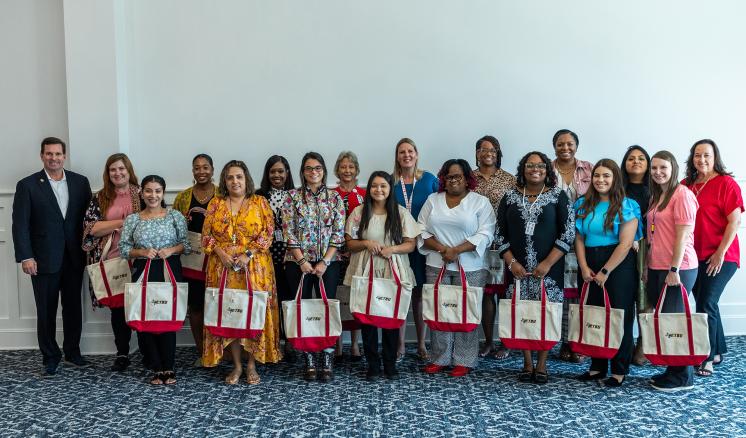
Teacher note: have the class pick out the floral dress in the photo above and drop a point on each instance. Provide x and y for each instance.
(254, 226)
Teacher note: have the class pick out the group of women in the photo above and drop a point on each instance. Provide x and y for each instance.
(630, 228)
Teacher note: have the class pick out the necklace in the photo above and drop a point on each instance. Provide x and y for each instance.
(208, 194)
(407, 200)
(234, 219)
(566, 172)
(537, 196)
(697, 192)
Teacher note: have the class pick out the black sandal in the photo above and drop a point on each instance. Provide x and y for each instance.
(156, 379)
(541, 377)
(526, 376)
(168, 378)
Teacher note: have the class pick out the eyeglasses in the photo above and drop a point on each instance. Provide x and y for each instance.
(310, 169)
(454, 178)
(539, 166)
(488, 151)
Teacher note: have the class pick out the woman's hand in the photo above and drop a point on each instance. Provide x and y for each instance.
(449, 254)
(306, 268)
(673, 279)
(541, 269)
(635, 246)
(600, 279)
(373, 247)
(242, 260)
(165, 253)
(715, 263)
(319, 269)
(587, 274)
(518, 271)
(387, 252)
(225, 259)
(149, 253)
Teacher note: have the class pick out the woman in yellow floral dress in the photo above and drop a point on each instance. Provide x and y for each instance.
(237, 234)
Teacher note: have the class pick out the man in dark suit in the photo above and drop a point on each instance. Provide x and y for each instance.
(48, 210)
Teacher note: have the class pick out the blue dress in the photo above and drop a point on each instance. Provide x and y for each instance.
(425, 186)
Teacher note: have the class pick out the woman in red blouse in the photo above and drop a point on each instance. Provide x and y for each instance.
(347, 170)
(715, 239)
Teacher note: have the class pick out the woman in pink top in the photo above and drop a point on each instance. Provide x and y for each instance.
(103, 220)
(715, 238)
(574, 177)
(672, 260)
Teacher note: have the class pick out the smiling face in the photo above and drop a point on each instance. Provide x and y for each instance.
(379, 190)
(406, 156)
(565, 147)
(347, 171)
(603, 178)
(704, 158)
(202, 170)
(455, 181)
(152, 194)
(535, 170)
(118, 174)
(278, 175)
(636, 164)
(53, 158)
(660, 171)
(313, 172)
(235, 181)
(487, 154)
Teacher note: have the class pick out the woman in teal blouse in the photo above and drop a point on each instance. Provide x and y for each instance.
(607, 223)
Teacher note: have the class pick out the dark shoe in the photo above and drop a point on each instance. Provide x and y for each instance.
(120, 364)
(168, 378)
(501, 353)
(51, 369)
(659, 376)
(391, 372)
(705, 369)
(587, 376)
(310, 373)
(668, 386)
(339, 359)
(156, 379)
(355, 359)
(541, 377)
(612, 382)
(719, 360)
(289, 354)
(526, 376)
(326, 374)
(565, 353)
(77, 362)
(373, 374)
(577, 358)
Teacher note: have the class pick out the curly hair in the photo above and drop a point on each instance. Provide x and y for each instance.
(550, 180)
(471, 180)
(496, 144)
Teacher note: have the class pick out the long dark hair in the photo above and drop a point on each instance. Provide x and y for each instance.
(625, 175)
(691, 171)
(266, 185)
(149, 179)
(471, 180)
(656, 191)
(520, 178)
(392, 227)
(616, 196)
(496, 144)
(312, 156)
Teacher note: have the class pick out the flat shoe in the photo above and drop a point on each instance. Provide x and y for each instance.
(459, 371)
(422, 355)
(252, 378)
(612, 382)
(232, 378)
(168, 378)
(501, 353)
(587, 376)
(526, 376)
(705, 369)
(156, 379)
(433, 368)
(541, 377)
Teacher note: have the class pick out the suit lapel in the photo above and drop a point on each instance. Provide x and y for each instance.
(46, 188)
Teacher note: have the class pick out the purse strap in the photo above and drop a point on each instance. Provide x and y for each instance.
(687, 312)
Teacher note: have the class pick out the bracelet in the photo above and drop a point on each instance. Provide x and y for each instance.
(510, 265)
(301, 262)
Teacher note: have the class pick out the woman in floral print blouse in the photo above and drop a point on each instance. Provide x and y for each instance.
(313, 220)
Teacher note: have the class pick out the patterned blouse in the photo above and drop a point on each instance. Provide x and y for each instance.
(313, 222)
(580, 182)
(276, 197)
(495, 187)
(162, 232)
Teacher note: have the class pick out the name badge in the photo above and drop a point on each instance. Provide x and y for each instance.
(278, 236)
(530, 228)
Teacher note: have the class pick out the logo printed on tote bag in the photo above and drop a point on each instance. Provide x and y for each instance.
(313, 318)
(528, 321)
(592, 326)
(120, 276)
(234, 310)
(157, 302)
(383, 298)
(451, 305)
(674, 335)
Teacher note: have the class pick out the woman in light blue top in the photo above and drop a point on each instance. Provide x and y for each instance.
(156, 233)
(606, 224)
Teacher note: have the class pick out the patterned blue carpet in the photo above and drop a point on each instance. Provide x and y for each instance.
(488, 402)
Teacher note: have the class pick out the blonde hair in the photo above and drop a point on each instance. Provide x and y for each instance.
(397, 168)
(350, 156)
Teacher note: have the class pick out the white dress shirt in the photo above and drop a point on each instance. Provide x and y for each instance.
(60, 191)
(473, 220)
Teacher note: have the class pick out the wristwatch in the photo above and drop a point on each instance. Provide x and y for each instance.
(248, 253)
(674, 269)
(604, 271)
(326, 262)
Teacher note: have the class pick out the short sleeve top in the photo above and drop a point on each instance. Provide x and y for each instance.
(162, 232)
(417, 192)
(592, 229)
(718, 198)
(681, 210)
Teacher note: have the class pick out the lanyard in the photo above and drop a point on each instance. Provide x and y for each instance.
(531, 207)
(407, 200)
(359, 198)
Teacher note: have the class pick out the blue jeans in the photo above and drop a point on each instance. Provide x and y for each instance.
(707, 291)
(681, 376)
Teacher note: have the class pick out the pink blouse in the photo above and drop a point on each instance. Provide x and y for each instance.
(119, 209)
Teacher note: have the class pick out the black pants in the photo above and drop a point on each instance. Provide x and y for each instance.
(159, 350)
(64, 285)
(389, 344)
(330, 277)
(283, 290)
(682, 376)
(620, 285)
(122, 332)
(707, 291)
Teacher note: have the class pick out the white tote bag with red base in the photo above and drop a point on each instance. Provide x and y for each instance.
(345, 313)
(380, 302)
(529, 324)
(448, 308)
(674, 339)
(595, 331)
(314, 324)
(194, 264)
(235, 313)
(156, 307)
(109, 277)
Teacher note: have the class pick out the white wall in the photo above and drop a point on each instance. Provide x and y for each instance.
(165, 79)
